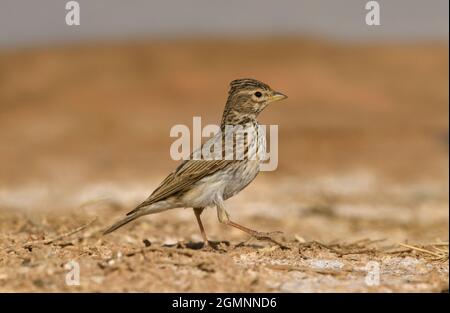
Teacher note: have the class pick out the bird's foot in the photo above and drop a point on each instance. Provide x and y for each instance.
(269, 236)
(208, 246)
(266, 235)
(214, 246)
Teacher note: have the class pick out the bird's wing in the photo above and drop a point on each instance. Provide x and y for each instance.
(191, 171)
(187, 173)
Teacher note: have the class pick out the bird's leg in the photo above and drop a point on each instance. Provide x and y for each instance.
(253, 233)
(198, 212)
(224, 218)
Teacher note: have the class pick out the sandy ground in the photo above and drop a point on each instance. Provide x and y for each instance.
(360, 192)
(327, 246)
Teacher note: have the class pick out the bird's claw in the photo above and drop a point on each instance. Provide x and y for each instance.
(207, 246)
(213, 246)
(266, 235)
(269, 236)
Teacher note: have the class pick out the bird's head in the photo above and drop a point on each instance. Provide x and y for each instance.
(246, 99)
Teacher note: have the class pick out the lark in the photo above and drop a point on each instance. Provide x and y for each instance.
(202, 182)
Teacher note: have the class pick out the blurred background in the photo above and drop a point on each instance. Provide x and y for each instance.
(85, 111)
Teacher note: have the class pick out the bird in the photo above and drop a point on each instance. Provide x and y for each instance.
(200, 182)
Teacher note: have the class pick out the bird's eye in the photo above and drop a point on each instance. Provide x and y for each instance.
(258, 94)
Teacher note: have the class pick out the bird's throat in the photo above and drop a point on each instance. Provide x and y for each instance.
(234, 118)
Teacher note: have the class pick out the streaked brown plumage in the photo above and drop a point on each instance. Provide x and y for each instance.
(199, 183)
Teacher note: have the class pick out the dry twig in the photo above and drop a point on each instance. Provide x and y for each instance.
(59, 237)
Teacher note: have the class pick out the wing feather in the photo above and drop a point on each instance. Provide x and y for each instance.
(188, 173)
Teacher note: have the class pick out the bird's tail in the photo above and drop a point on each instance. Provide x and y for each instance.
(142, 209)
(122, 222)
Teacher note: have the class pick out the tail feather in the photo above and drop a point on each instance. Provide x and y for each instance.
(136, 209)
(142, 209)
(122, 222)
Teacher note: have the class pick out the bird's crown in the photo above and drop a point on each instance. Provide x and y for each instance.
(247, 83)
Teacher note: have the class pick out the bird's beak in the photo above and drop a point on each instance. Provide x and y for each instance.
(276, 96)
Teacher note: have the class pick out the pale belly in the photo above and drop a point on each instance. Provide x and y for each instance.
(227, 182)
(221, 185)
(243, 176)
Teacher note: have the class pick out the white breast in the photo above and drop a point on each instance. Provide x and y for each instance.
(232, 179)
